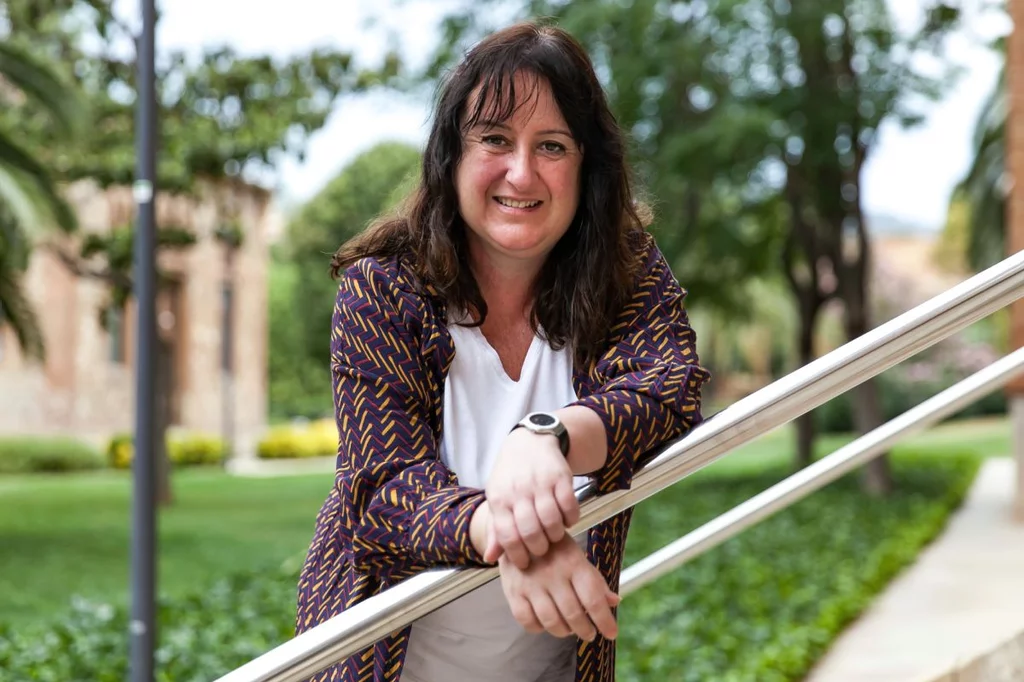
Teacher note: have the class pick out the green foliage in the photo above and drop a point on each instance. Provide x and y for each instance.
(190, 449)
(298, 385)
(220, 114)
(303, 293)
(985, 186)
(201, 636)
(761, 607)
(765, 605)
(110, 257)
(39, 454)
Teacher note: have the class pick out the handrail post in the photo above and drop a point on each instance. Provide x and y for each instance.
(1015, 228)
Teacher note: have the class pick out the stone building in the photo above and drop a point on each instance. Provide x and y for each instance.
(85, 387)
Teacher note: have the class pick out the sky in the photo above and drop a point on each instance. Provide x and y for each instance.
(909, 177)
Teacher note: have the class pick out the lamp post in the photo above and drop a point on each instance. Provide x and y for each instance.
(142, 626)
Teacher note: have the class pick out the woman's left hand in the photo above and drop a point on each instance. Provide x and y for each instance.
(531, 498)
(562, 593)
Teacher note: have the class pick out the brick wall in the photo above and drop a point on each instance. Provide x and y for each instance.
(80, 389)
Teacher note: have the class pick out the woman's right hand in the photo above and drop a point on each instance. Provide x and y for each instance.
(531, 498)
(561, 592)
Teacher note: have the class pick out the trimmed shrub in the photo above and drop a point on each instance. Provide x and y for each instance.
(314, 439)
(183, 450)
(38, 454)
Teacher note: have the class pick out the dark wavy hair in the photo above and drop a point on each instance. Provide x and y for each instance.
(589, 275)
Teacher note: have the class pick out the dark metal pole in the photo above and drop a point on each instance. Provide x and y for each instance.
(142, 628)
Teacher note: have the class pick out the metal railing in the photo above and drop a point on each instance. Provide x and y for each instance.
(820, 473)
(776, 404)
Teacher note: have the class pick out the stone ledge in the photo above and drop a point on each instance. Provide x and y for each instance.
(255, 467)
(1004, 663)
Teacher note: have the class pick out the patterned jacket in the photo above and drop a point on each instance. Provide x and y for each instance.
(396, 510)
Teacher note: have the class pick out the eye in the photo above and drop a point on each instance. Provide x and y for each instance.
(493, 140)
(553, 147)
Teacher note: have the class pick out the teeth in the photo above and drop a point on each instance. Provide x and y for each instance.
(512, 203)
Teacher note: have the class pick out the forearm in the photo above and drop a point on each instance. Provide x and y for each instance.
(405, 526)
(588, 442)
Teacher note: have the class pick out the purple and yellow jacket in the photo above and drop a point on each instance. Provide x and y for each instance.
(396, 510)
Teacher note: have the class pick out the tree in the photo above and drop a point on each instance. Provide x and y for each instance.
(223, 117)
(30, 204)
(753, 120)
(300, 323)
(850, 71)
(985, 187)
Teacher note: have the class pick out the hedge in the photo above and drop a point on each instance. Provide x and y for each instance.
(761, 608)
(46, 454)
(182, 450)
(313, 439)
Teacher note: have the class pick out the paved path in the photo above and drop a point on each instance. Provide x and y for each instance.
(962, 597)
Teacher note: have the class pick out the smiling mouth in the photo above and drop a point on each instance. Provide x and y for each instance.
(513, 203)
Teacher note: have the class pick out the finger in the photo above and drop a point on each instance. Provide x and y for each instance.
(525, 616)
(593, 594)
(549, 615)
(507, 535)
(573, 613)
(529, 526)
(492, 548)
(567, 502)
(550, 516)
(503, 526)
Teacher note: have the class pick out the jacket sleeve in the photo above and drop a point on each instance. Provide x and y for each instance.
(649, 380)
(402, 506)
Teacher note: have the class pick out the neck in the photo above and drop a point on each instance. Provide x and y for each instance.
(507, 288)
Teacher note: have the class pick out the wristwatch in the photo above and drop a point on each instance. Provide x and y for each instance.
(546, 423)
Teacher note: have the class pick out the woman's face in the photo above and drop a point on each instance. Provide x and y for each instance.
(518, 181)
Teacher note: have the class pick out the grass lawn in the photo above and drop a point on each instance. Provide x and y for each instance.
(69, 535)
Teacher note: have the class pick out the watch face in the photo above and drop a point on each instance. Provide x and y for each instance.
(542, 420)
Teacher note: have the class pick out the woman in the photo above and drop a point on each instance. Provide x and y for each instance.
(512, 332)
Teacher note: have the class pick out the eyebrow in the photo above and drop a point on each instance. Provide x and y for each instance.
(498, 124)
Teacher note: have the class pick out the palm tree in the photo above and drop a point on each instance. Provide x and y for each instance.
(30, 203)
(984, 187)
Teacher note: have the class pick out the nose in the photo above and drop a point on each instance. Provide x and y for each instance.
(520, 169)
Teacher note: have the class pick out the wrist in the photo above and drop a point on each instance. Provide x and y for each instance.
(546, 424)
(479, 527)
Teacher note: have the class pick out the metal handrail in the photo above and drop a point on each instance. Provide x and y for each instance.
(819, 474)
(747, 419)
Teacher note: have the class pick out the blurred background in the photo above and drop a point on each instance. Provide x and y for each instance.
(816, 168)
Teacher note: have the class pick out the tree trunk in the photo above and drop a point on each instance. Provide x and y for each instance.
(876, 478)
(161, 420)
(805, 432)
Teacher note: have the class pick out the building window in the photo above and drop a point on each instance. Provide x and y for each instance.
(115, 330)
